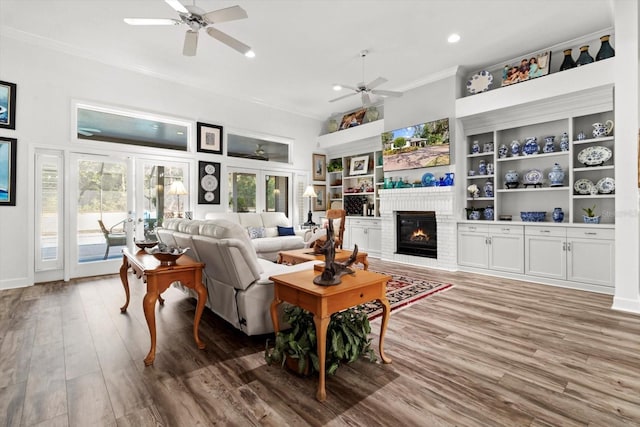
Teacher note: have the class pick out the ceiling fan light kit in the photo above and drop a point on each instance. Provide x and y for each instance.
(196, 19)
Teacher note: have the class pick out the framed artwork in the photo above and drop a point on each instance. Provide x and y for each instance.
(208, 183)
(209, 138)
(7, 105)
(320, 203)
(526, 69)
(8, 149)
(319, 167)
(359, 165)
(350, 120)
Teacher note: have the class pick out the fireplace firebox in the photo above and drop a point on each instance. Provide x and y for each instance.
(416, 234)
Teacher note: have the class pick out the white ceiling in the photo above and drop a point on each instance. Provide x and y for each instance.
(302, 47)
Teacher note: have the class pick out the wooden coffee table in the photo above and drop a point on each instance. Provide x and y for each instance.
(158, 278)
(298, 256)
(299, 289)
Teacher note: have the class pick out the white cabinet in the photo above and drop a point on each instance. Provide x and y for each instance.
(583, 255)
(364, 232)
(496, 247)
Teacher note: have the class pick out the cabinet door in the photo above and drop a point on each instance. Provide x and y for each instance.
(375, 239)
(506, 252)
(359, 237)
(472, 249)
(590, 261)
(546, 256)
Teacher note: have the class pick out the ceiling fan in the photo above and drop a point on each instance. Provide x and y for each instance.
(88, 131)
(365, 89)
(196, 19)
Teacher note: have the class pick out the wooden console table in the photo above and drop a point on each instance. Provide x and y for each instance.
(299, 289)
(158, 278)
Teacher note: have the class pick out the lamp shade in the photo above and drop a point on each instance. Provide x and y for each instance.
(177, 188)
(309, 192)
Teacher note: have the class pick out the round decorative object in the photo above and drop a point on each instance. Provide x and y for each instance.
(144, 244)
(210, 169)
(488, 213)
(564, 142)
(487, 147)
(594, 156)
(428, 180)
(209, 196)
(488, 189)
(583, 186)
(168, 256)
(534, 176)
(558, 215)
(474, 215)
(479, 82)
(482, 167)
(503, 151)
(332, 125)
(209, 183)
(515, 148)
(475, 147)
(531, 146)
(490, 169)
(556, 176)
(511, 176)
(606, 185)
(549, 146)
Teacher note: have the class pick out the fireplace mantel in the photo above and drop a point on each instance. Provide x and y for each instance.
(438, 199)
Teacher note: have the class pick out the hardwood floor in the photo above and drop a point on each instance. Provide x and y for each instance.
(488, 352)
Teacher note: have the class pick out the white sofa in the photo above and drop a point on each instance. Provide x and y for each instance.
(266, 247)
(237, 281)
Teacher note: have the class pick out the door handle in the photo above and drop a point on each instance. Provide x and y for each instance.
(569, 247)
(564, 246)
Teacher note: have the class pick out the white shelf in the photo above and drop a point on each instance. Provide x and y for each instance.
(480, 198)
(534, 156)
(594, 196)
(594, 140)
(358, 176)
(362, 193)
(489, 153)
(356, 133)
(594, 168)
(480, 176)
(335, 172)
(521, 190)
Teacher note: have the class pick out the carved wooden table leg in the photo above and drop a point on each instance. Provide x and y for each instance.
(125, 282)
(160, 300)
(386, 309)
(274, 314)
(149, 306)
(365, 262)
(202, 298)
(321, 337)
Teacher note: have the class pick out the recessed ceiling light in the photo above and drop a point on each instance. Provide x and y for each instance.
(454, 38)
(337, 87)
(250, 54)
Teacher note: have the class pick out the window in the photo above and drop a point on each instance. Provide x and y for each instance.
(266, 149)
(48, 218)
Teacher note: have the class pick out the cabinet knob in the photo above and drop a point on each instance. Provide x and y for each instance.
(590, 233)
(472, 228)
(569, 247)
(545, 231)
(506, 230)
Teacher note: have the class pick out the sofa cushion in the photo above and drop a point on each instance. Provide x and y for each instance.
(256, 232)
(285, 231)
(274, 219)
(250, 220)
(229, 216)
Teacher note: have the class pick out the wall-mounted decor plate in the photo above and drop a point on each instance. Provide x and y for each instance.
(479, 82)
(594, 156)
(583, 186)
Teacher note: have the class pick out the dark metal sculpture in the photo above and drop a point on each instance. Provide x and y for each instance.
(333, 270)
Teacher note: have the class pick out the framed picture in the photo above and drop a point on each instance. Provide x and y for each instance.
(350, 120)
(209, 138)
(359, 165)
(7, 105)
(208, 183)
(321, 202)
(526, 69)
(8, 149)
(319, 167)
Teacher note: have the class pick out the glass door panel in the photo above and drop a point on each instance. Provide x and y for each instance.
(242, 191)
(277, 193)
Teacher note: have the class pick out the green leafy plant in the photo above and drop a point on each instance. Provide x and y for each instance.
(347, 340)
(591, 212)
(334, 166)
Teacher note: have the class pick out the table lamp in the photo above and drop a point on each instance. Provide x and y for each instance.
(177, 189)
(311, 194)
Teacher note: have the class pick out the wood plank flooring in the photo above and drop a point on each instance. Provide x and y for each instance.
(488, 352)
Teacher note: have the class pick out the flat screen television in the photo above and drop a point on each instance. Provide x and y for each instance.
(419, 146)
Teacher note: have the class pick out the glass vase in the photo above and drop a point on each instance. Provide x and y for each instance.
(584, 57)
(568, 61)
(606, 51)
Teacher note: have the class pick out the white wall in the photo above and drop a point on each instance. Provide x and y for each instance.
(48, 80)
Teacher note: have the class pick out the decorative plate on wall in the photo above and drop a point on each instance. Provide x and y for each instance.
(594, 156)
(479, 82)
(583, 186)
(606, 185)
(534, 176)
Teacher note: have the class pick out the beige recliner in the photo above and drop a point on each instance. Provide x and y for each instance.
(237, 281)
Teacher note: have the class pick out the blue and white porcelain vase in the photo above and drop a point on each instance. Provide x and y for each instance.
(482, 167)
(488, 188)
(503, 151)
(515, 148)
(556, 176)
(531, 146)
(549, 146)
(474, 215)
(475, 147)
(564, 142)
(511, 177)
(448, 179)
(557, 215)
(488, 213)
(487, 147)
(490, 169)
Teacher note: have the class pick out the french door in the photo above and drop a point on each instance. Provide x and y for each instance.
(252, 190)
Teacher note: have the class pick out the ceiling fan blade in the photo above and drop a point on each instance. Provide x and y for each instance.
(223, 15)
(190, 43)
(151, 21)
(350, 87)
(386, 93)
(377, 82)
(177, 6)
(366, 100)
(342, 97)
(84, 132)
(228, 40)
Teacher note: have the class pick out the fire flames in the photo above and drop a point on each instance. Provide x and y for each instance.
(419, 236)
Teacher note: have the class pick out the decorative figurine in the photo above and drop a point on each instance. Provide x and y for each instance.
(333, 270)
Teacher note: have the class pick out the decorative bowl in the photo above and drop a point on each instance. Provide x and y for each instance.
(532, 216)
(591, 219)
(167, 255)
(144, 244)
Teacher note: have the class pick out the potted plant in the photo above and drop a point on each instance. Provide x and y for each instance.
(296, 348)
(590, 217)
(334, 165)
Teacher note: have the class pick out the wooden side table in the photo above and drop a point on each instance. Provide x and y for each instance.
(158, 278)
(299, 289)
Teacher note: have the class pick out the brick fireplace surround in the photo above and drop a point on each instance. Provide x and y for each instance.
(438, 199)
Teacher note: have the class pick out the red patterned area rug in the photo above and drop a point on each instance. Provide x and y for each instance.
(403, 291)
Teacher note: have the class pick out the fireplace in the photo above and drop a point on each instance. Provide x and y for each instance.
(417, 234)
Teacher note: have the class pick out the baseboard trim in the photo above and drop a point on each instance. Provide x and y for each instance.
(21, 282)
(625, 304)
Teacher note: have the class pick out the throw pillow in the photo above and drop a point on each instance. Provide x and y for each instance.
(256, 232)
(285, 231)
